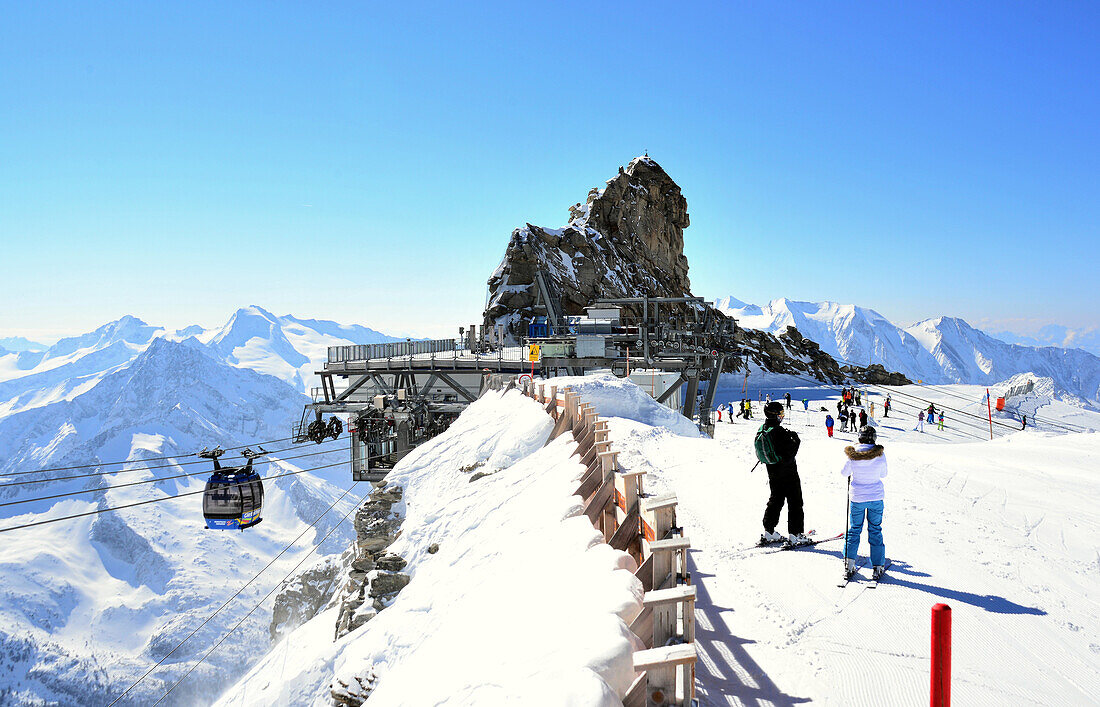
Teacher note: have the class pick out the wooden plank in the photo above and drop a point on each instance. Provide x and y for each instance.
(628, 530)
(590, 483)
(664, 656)
(599, 501)
(560, 426)
(642, 626)
(672, 544)
(645, 574)
(635, 696)
(665, 596)
(658, 502)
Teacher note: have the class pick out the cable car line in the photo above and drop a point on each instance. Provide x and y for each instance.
(204, 472)
(245, 586)
(257, 605)
(157, 500)
(131, 461)
(147, 468)
(150, 459)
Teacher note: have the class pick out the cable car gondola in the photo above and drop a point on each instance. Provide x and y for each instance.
(234, 495)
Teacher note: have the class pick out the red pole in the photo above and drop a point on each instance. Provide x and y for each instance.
(990, 406)
(941, 656)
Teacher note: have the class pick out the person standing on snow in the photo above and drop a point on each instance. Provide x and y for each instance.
(1023, 425)
(852, 421)
(788, 397)
(886, 407)
(920, 420)
(866, 467)
(941, 419)
(862, 418)
(806, 404)
(829, 424)
(781, 445)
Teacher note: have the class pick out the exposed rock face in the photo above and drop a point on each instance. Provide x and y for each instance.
(304, 595)
(374, 576)
(626, 240)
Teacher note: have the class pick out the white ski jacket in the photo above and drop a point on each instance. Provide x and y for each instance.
(867, 466)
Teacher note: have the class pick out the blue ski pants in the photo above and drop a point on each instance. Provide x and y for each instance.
(873, 511)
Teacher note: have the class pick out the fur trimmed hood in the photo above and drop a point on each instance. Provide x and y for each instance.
(856, 455)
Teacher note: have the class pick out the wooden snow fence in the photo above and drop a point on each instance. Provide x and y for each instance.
(643, 526)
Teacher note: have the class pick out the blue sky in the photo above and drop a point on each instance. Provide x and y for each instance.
(367, 163)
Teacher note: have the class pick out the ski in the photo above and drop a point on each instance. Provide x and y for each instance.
(874, 582)
(844, 582)
(773, 543)
(784, 548)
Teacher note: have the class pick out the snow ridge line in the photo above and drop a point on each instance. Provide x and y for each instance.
(643, 527)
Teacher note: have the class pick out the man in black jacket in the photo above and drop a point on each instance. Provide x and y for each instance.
(783, 480)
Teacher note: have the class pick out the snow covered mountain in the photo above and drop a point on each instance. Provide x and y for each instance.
(936, 351)
(285, 347)
(88, 604)
(18, 343)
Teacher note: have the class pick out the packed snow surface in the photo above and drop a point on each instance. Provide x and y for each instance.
(1004, 532)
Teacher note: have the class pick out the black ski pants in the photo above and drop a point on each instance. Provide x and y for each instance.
(785, 487)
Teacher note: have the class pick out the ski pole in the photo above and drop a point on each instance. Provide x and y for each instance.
(847, 516)
(754, 467)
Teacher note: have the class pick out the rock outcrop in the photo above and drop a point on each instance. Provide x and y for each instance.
(374, 576)
(304, 595)
(627, 240)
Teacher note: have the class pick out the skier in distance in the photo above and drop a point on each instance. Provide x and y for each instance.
(866, 466)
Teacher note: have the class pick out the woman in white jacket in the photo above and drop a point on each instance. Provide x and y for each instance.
(866, 467)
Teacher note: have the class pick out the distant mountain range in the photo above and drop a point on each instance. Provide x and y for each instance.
(286, 347)
(940, 350)
(1087, 338)
(18, 343)
(88, 604)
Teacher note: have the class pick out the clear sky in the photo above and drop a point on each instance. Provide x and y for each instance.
(366, 162)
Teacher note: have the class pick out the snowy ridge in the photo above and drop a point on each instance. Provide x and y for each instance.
(940, 350)
(523, 603)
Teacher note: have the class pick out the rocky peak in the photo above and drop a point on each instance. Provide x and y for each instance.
(625, 240)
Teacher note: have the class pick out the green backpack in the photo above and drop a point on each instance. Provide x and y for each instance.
(765, 451)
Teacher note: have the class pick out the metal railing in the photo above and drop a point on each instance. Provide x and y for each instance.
(367, 352)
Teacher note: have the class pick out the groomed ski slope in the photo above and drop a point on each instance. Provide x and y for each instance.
(1004, 532)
